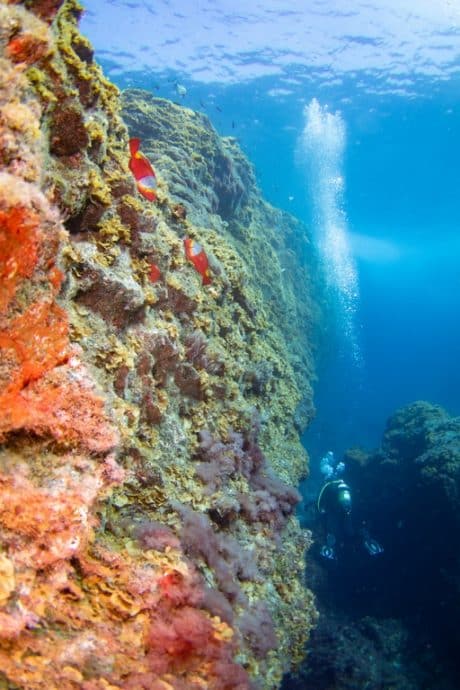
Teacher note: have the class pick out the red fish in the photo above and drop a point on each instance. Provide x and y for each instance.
(142, 170)
(154, 273)
(196, 254)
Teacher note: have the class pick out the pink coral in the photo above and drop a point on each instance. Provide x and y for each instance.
(270, 500)
(155, 535)
(256, 625)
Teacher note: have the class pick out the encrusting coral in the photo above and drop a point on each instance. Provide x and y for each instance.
(147, 535)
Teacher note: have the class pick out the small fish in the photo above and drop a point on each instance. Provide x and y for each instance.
(233, 124)
(142, 170)
(181, 90)
(218, 108)
(196, 254)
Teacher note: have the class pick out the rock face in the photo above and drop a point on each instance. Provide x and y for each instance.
(209, 178)
(149, 424)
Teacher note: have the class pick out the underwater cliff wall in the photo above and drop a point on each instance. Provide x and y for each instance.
(149, 424)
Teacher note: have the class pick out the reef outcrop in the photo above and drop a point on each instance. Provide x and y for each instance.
(149, 425)
(413, 485)
(392, 620)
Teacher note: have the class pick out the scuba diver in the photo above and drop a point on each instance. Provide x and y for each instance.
(334, 504)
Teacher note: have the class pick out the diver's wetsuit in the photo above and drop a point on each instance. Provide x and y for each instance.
(334, 504)
(336, 514)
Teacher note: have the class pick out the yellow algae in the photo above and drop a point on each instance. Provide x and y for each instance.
(38, 79)
(7, 578)
(113, 230)
(99, 190)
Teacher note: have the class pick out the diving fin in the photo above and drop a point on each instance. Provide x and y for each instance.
(372, 547)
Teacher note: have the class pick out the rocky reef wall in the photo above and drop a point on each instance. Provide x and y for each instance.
(149, 424)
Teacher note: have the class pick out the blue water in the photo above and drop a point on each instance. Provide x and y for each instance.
(397, 339)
